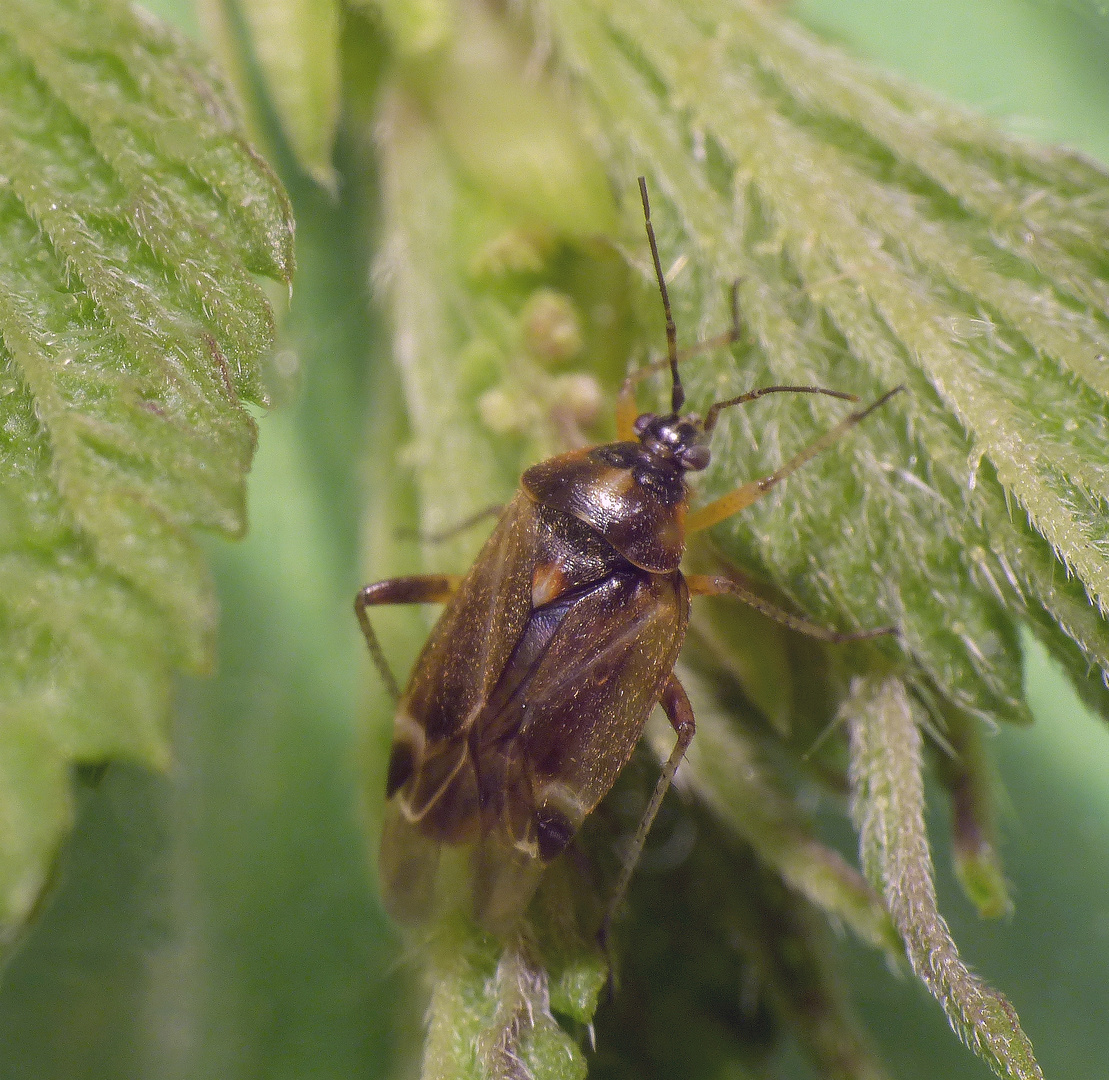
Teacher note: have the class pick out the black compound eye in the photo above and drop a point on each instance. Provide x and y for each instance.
(696, 457)
(643, 421)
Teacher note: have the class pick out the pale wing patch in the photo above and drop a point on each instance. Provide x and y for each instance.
(410, 732)
(547, 583)
(565, 798)
(432, 780)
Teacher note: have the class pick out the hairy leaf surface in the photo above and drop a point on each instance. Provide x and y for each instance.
(133, 220)
(877, 237)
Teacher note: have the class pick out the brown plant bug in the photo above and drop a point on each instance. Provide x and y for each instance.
(533, 688)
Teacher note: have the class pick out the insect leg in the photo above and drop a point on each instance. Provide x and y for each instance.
(626, 409)
(438, 537)
(703, 585)
(420, 589)
(749, 493)
(679, 712)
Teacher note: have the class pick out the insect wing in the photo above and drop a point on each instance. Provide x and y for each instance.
(474, 637)
(431, 789)
(555, 748)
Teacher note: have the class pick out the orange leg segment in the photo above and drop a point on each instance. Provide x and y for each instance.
(743, 496)
(419, 589)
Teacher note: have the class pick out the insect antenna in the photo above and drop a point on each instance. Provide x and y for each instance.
(714, 410)
(677, 393)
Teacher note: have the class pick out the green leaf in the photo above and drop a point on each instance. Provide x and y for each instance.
(460, 267)
(292, 46)
(508, 133)
(878, 271)
(426, 271)
(968, 775)
(417, 28)
(888, 806)
(133, 219)
(879, 238)
(723, 770)
(490, 1017)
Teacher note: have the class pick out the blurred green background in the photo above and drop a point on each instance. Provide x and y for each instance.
(221, 921)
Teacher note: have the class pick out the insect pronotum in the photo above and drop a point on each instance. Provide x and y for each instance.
(533, 688)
